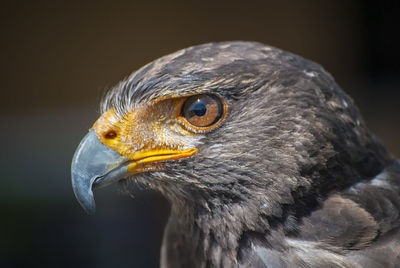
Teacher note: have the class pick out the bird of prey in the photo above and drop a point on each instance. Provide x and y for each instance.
(265, 160)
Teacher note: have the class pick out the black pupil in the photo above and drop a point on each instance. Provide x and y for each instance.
(199, 108)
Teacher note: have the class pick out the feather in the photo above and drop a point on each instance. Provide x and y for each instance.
(291, 178)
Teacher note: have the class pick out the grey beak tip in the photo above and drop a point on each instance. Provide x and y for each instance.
(87, 202)
(90, 210)
(93, 160)
(84, 194)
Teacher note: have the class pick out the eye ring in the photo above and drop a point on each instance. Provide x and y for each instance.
(203, 112)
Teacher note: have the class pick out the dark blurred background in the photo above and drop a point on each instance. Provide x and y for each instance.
(59, 57)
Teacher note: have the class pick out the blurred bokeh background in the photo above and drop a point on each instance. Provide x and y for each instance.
(59, 57)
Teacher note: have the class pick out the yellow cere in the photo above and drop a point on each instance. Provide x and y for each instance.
(149, 133)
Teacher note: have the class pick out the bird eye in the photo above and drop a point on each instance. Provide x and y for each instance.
(202, 110)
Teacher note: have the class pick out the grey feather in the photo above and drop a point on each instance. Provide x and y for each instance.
(292, 178)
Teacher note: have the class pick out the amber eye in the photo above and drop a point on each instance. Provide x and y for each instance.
(202, 110)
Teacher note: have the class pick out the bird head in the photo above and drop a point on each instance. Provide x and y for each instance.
(232, 124)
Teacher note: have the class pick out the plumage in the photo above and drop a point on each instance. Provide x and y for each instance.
(290, 176)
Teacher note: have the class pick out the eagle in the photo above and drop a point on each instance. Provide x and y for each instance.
(265, 160)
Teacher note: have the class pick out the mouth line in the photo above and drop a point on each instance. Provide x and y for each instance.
(111, 176)
(131, 167)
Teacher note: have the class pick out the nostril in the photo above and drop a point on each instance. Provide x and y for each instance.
(110, 135)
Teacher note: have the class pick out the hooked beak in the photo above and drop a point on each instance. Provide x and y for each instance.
(94, 165)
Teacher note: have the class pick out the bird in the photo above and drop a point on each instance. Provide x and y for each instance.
(264, 159)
